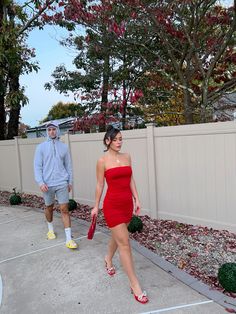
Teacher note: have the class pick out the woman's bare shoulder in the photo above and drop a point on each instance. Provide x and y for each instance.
(101, 161)
(126, 157)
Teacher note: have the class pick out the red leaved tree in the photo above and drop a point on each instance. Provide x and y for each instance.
(188, 43)
(107, 67)
(196, 54)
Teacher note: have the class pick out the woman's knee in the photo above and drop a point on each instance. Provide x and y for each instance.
(120, 235)
(124, 247)
(123, 241)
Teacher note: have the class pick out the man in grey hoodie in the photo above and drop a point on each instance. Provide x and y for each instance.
(53, 173)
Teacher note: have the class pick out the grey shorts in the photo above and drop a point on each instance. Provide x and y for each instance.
(60, 192)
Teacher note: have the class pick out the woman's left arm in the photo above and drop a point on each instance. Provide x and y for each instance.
(135, 196)
(134, 193)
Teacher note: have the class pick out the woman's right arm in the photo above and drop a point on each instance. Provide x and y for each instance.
(99, 186)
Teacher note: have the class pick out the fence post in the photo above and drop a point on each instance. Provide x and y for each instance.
(67, 142)
(18, 164)
(152, 170)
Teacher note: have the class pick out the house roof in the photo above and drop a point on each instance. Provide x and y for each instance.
(226, 101)
(62, 123)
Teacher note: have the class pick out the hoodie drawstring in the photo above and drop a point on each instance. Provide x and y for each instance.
(54, 148)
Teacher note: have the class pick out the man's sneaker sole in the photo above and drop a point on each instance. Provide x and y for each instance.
(71, 245)
(51, 235)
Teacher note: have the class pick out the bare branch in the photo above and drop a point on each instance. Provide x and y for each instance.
(223, 45)
(35, 17)
(216, 94)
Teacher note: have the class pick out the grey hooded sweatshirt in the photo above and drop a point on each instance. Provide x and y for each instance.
(52, 162)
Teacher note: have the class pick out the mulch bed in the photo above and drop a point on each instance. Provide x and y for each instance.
(198, 250)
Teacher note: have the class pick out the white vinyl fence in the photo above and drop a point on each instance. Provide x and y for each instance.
(184, 173)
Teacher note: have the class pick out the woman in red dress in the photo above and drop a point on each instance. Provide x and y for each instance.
(120, 201)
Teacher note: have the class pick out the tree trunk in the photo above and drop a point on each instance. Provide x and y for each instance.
(188, 112)
(13, 123)
(2, 89)
(105, 85)
(2, 115)
(124, 103)
(204, 102)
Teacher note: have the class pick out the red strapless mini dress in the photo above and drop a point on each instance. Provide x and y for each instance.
(118, 201)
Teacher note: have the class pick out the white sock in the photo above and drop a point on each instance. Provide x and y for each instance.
(50, 226)
(68, 234)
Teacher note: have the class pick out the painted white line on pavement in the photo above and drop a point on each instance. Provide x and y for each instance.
(16, 219)
(0, 290)
(177, 307)
(40, 250)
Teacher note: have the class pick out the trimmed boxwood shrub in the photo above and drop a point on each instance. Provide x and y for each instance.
(15, 198)
(135, 224)
(72, 205)
(227, 276)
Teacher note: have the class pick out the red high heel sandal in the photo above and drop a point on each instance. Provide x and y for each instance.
(111, 271)
(142, 298)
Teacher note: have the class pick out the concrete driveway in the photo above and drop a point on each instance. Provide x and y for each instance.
(39, 276)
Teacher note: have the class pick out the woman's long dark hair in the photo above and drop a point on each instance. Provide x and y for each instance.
(110, 135)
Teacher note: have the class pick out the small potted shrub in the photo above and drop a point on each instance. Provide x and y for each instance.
(135, 224)
(227, 276)
(72, 205)
(15, 198)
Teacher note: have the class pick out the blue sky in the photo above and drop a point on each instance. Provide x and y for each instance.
(49, 54)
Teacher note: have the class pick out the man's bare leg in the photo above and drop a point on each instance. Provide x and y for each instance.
(67, 225)
(49, 217)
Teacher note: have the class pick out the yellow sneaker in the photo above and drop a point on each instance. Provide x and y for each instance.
(51, 235)
(71, 244)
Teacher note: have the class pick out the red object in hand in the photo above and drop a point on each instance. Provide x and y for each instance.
(92, 228)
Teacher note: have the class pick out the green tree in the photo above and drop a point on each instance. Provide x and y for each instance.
(16, 21)
(64, 110)
(107, 68)
(90, 81)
